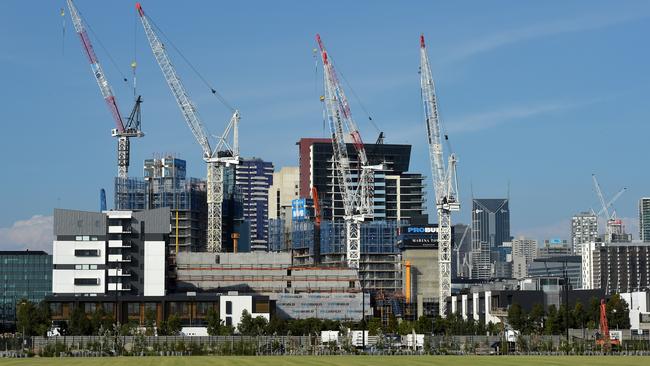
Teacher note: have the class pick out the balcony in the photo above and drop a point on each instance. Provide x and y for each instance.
(119, 229)
(118, 258)
(118, 272)
(119, 244)
(119, 287)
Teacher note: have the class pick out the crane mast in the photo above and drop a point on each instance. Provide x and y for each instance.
(357, 200)
(122, 131)
(225, 152)
(444, 178)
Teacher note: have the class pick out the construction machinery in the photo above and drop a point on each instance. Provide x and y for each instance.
(357, 197)
(226, 150)
(444, 177)
(613, 225)
(604, 338)
(123, 131)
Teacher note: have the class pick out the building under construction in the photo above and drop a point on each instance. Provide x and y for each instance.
(165, 185)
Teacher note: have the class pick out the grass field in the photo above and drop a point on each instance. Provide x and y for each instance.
(336, 361)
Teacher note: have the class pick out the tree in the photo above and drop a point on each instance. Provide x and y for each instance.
(536, 318)
(374, 326)
(516, 317)
(250, 326)
(32, 319)
(173, 325)
(79, 322)
(579, 315)
(392, 325)
(405, 327)
(551, 325)
(215, 325)
(150, 322)
(618, 313)
(424, 325)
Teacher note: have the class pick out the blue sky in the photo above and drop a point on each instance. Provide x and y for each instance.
(537, 95)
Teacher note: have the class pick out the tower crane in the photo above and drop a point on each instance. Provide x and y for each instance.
(225, 152)
(358, 201)
(444, 177)
(613, 225)
(122, 131)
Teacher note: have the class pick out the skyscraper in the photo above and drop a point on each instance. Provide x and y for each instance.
(490, 228)
(584, 229)
(253, 177)
(644, 219)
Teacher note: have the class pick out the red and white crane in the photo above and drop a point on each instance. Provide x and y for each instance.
(122, 131)
(358, 199)
(225, 152)
(444, 178)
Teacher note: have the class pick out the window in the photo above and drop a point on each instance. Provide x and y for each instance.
(229, 321)
(86, 252)
(260, 306)
(89, 307)
(229, 308)
(86, 281)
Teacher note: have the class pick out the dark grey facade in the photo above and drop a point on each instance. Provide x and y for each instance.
(253, 178)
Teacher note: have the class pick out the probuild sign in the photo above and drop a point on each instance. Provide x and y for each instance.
(416, 237)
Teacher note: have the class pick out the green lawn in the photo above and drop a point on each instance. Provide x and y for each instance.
(336, 361)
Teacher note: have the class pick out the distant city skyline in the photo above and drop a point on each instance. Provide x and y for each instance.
(534, 96)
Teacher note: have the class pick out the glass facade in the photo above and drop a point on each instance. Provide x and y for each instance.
(24, 275)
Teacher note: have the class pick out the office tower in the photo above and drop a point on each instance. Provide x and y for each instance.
(25, 275)
(584, 229)
(490, 228)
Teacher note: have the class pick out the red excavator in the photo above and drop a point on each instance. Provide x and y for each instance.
(603, 339)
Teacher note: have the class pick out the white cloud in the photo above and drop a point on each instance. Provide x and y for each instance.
(504, 38)
(35, 233)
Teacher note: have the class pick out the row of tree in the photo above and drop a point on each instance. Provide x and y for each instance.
(34, 319)
(557, 320)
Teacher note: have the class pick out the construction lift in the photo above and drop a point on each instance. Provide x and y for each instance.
(444, 178)
(358, 198)
(603, 338)
(122, 131)
(226, 150)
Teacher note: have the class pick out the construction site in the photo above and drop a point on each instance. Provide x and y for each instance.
(338, 232)
(345, 234)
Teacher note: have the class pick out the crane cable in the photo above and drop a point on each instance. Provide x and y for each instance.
(124, 78)
(354, 94)
(200, 76)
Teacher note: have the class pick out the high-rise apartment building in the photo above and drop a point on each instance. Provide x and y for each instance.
(644, 219)
(524, 251)
(253, 178)
(283, 191)
(112, 253)
(584, 229)
(490, 228)
(616, 267)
